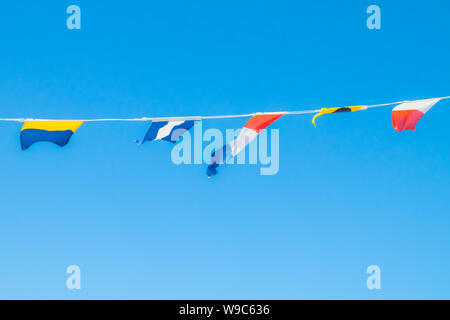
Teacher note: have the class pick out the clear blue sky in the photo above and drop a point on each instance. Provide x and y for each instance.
(350, 193)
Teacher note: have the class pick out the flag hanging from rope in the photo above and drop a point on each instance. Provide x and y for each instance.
(58, 132)
(249, 132)
(337, 110)
(406, 115)
(167, 130)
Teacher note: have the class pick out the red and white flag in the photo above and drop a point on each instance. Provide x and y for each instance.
(406, 115)
(251, 130)
(248, 133)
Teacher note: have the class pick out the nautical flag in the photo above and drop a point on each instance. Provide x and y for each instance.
(250, 131)
(167, 130)
(58, 132)
(337, 110)
(406, 115)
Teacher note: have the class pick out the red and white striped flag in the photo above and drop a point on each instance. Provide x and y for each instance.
(250, 131)
(406, 115)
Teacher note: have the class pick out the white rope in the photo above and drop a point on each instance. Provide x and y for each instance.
(203, 117)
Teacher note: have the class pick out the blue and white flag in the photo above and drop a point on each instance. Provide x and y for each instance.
(167, 130)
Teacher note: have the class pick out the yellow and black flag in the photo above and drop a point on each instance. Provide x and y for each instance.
(337, 110)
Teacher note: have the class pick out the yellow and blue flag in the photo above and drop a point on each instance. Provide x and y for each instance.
(58, 132)
(337, 110)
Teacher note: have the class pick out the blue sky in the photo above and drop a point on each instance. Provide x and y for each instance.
(350, 193)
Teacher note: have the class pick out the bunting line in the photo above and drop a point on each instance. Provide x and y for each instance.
(145, 119)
